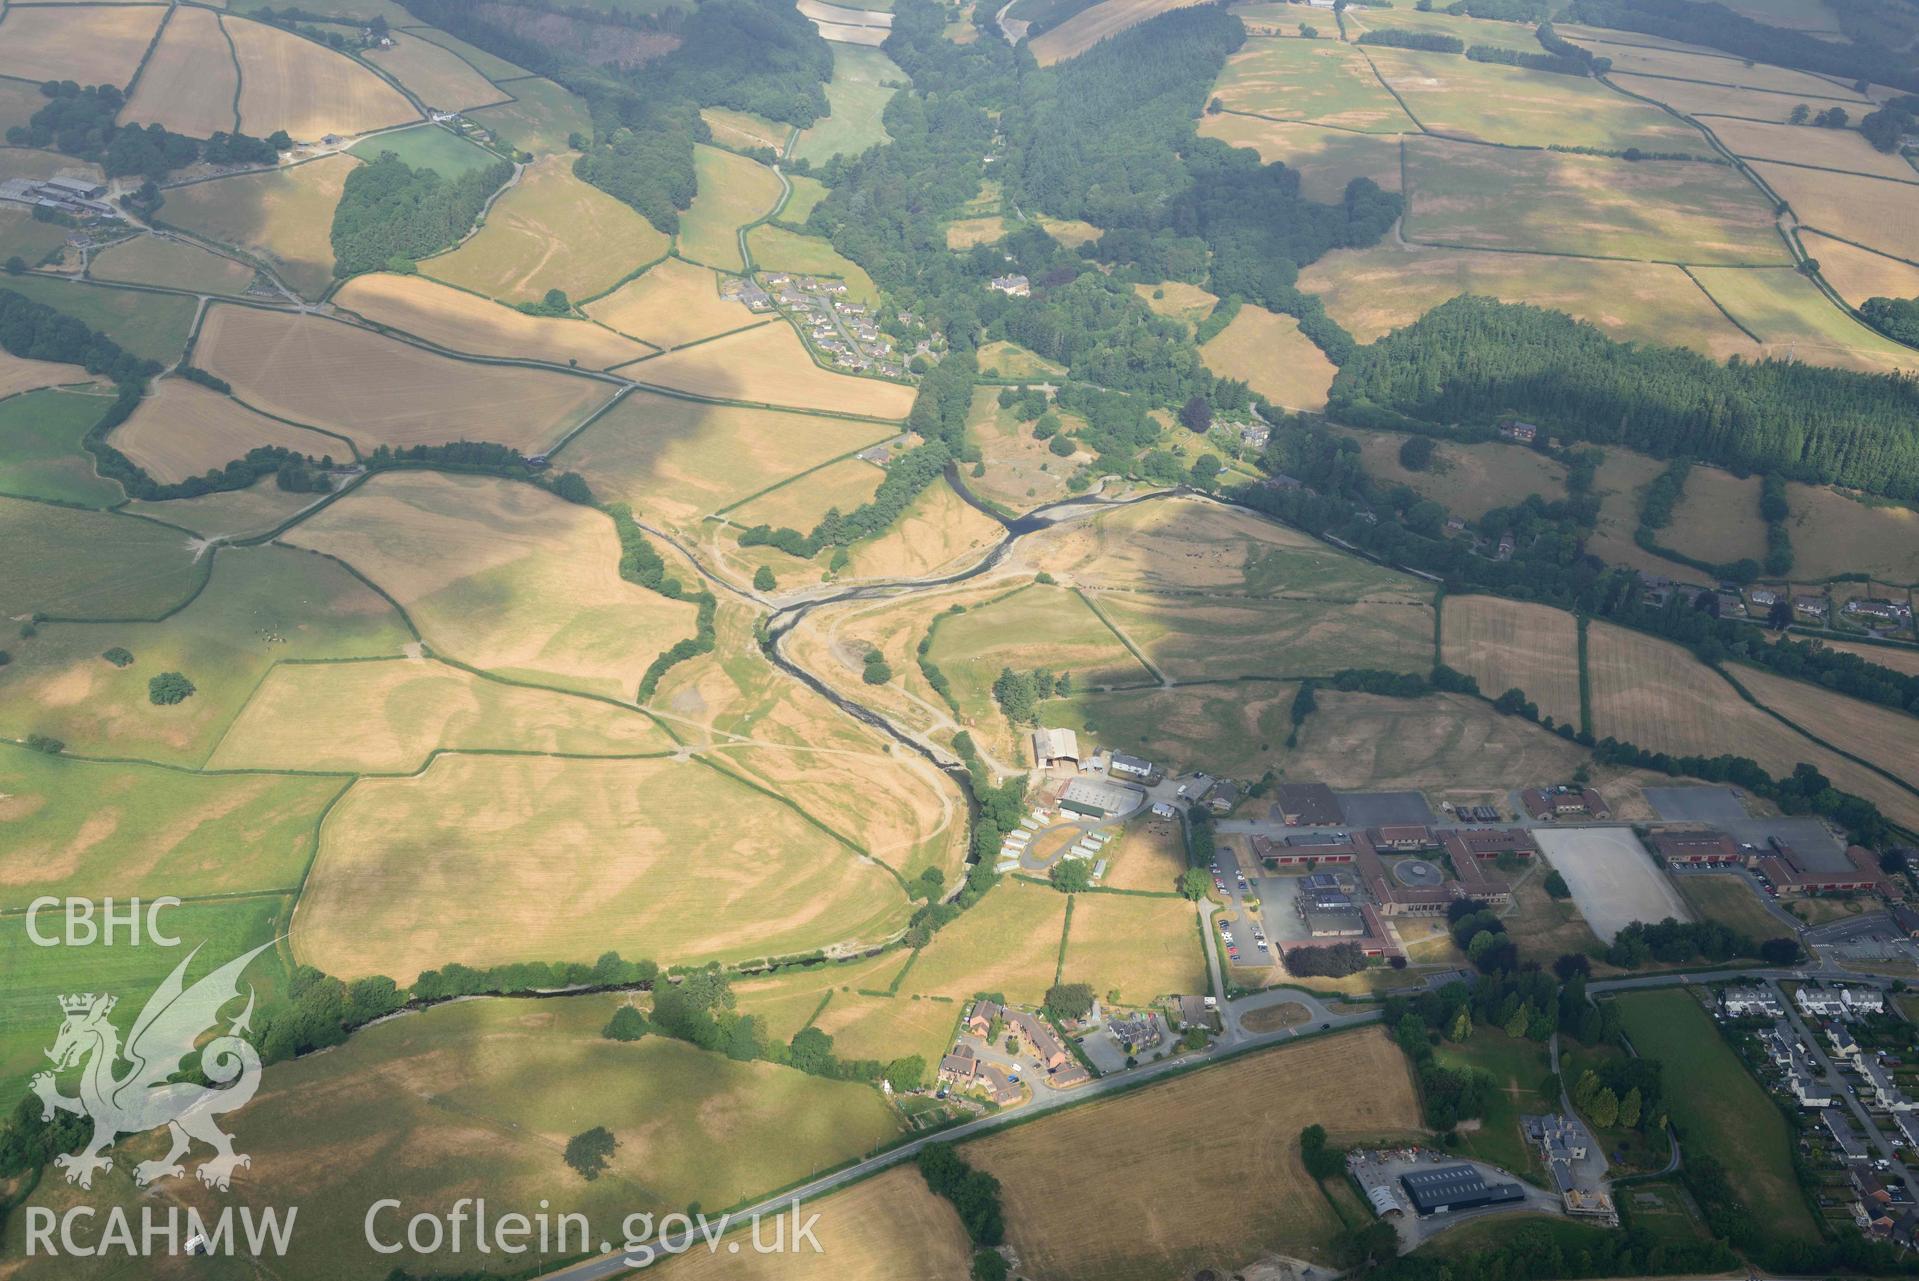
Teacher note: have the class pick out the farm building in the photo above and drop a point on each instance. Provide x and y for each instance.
(1306, 805)
(1385, 1204)
(1456, 1187)
(1092, 798)
(1055, 747)
(1131, 766)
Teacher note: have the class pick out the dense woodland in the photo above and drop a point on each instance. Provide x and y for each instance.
(1703, 22)
(81, 122)
(391, 215)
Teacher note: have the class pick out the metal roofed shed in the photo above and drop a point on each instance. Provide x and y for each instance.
(1456, 1187)
(1094, 798)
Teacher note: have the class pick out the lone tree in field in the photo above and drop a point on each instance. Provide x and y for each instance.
(627, 1024)
(589, 1152)
(168, 688)
(1416, 454)
(763, 580)
(118, 657)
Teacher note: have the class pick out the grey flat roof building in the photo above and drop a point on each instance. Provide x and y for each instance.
(1456, 1187)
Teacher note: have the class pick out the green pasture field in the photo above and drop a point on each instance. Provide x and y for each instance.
(428, 147)
(25, 237)
(864, 81)
(40, 453)
(1731, 901)
(260, 605)
(1501, 35)
(1229, 729)
(1216, 639)
(149, 260)
(1719, 1109)
(1791, 315)
(1519, 1067)
(743, 131)
(37, 976)
(154, 326)
(65, 562)
(807, 192)
(261, 506)
(539, 119)
(733, 191)
(1039, 626)
(1318, 80)
(1550, 202)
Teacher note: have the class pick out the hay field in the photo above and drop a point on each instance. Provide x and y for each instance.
(1621, 479)
(1093, 24)
(671, 303)
(1884, 736)
(550, 231)
(182, 429)
(968, 232)
(800, 504)
(676, 460)
(1237, 730)
(92, 829)
(1858, 274)
(1195, 639)
(1374, 291)
(1655, 694)
(1446, 744)
(382, 391)
(1713, 67)
(173, 264)
(1323, 81)
(1510, 644)
(1486, 197)
(886, 1028)
(1326, 159)
(742, 130)
(261, 605)
(1868, 211)
(1834, 532)
(40, 447)
(282, 216)
(733, 191)
(886, 1227)
(1486, 101)
(503, 576)
(540, 118)
(66, 562)
(1143, 948)
(1267, 352)
(190, 81)
(290, 83)
(27, 162)
(438, 77)
(777, 249)
(91, 44)
(460, 321)
(151, 325)
(1131, 1158)
(1008, 942)
(769, 365)
(386, 717)
(937, 530)
(1801, 144)
(18, 374)
(1718, 519)
(1895, 658)
(19, 99)
(1037, 626)
(1694, 98)
(230, 513)
(864, 81)
(1150, 855)
(490, 859)
(1799, 322)
(1468, 480)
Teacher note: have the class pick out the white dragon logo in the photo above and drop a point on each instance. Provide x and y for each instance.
(144, 1097)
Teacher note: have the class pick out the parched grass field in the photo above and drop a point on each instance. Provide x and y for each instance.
(676, 460)
(1093, 24)
(70, 563)
(742, 130)
(864, 81)
(1886, 737)
(733, 191)
(182, 429)
(37, 977)
(460, 321)
(91, 44)
(1868, 211)
(1267, 352)
(540, 118)
(1326, 159)
(777, 249)
(769, 365)
(387, 716)
(1717, 1105)
(885, 1028)
(1177, 300)
(671, 303)
(151, 260)
(291, 83)
(1835, 532)
(1142, 948)
(151, 325)
(1499, 34)
(968, 232)
(1699, 99)
(1010, 360)
(1513, 106)
(1656, 694)
(189, 83)
(18, 375)
(1021, 471)
(1326, 82)
(1443, 744)
(1621, 479)
(937, 530)
(427, 147)
(1508, 643)
(1718, 518)
(1133, 1165)
(492, 66)
(232, 513)
(1899, 659)
(1008, 942)
(40, 453)
(786, 1002)
(1374, 291)
(382, 391)
(438, 77)
(96, 829)
(1037, 626)
(1635, 57)
(503, 576)
(283, 216)
(490, 859)
(1238, 730)
(444, 1104)
(1211, 638)
(19, 99)
(1806, 145)
(1149, 855)
(800, 504)
(1469, 480)
(261, 604)
(1799, 322)
(1674, 211)
(1858, 274)
(1731, 901)
(1543, 927)
(550, 231)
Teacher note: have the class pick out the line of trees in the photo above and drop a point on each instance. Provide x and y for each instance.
(82, 121)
